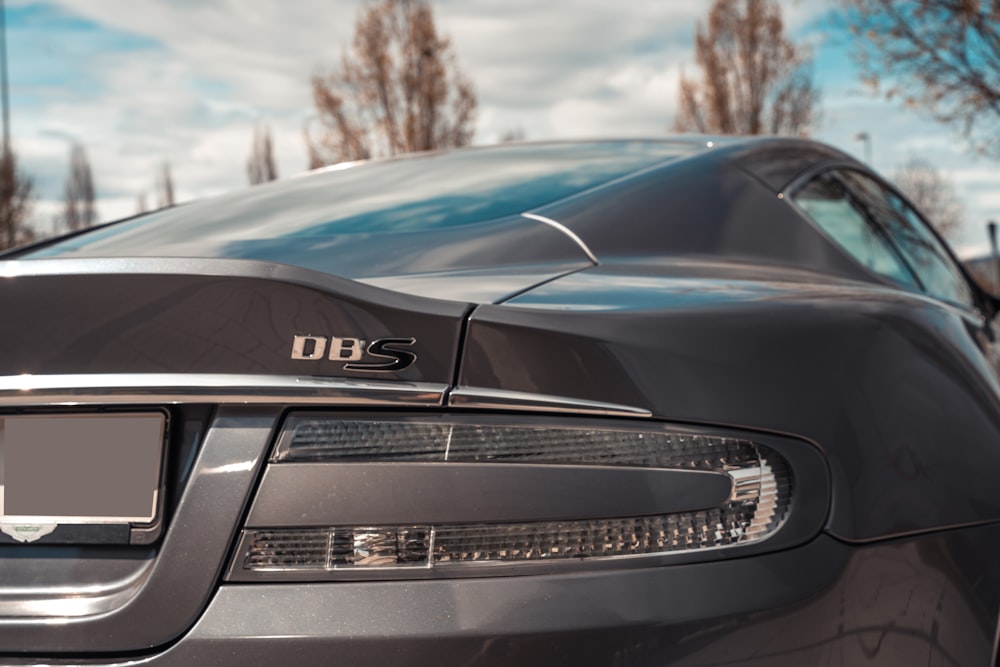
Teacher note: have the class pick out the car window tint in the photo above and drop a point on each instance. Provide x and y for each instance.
(922, 250)
(827, 202)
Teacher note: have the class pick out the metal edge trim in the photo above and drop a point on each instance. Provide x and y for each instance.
(565, 230)
(159, 388)
(502, 399)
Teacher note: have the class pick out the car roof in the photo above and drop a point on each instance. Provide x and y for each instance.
(478, 208)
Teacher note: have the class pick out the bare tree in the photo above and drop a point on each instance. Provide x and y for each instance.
(754, 80)
(940, 55)
(164, 187)
(16, 190)
(933, 193)
(79, 209)
(398, 89)
(260, 164)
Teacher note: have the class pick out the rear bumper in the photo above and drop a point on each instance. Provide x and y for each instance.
(907, 602)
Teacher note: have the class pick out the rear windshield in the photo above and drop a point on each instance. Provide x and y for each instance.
(419, 193)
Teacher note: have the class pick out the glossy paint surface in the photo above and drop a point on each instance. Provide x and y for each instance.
(821, 603)
(891, 386)
(450, 211)
(162, 595)
(713, 304)
(186, 316)
(702, 207)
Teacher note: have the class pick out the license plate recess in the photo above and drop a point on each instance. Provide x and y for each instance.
(81, 478)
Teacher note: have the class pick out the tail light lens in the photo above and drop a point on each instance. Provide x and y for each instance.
(755, 509)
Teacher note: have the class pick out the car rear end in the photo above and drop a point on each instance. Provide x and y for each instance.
(196, 475)
(648, 461)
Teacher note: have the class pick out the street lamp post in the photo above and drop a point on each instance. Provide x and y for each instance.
(867, 138)
(991, 227)
(4, 96)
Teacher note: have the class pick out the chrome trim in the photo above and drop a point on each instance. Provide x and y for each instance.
(177, 388)
(565, 230)
(501, 399)
(180, 388)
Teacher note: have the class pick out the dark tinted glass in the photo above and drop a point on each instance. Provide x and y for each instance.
(827, 201)
(924, 253)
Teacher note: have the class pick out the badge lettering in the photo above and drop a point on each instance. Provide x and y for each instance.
(388, 355)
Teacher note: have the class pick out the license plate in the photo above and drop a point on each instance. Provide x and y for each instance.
(81, 469)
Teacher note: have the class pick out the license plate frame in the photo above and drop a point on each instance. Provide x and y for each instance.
(90, 472)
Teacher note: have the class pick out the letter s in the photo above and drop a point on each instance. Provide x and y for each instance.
(387, 348)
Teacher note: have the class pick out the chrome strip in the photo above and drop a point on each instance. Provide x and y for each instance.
(178, 388)
(160, 388)
(501, 399)
(565, 230)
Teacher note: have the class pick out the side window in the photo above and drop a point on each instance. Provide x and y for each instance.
(923, 252)
(828, 203)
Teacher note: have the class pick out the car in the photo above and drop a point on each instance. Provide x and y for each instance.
(687, 401)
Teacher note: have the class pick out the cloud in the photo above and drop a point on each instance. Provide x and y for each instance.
(184, 81)
(638, 101)
(520, 54)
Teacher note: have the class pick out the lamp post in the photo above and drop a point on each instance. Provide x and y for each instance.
(991, 227)
(865, 137)
(4, 96)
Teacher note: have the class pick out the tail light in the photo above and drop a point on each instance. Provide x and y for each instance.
(728, 492)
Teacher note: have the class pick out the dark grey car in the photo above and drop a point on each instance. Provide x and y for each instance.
(630, 402)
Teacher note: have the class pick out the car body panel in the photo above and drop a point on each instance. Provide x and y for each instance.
(207, 316)
(630, 285)
(778, 162)
(171, 585)
(699, 207)
(492, 285)
(896, 385)
(818, 603)
(448, 211)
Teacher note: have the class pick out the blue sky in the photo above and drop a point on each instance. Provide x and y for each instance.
(184, 81)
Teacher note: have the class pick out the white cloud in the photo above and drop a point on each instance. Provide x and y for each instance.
(214, 68)
(640, 103)
(518, 53)
(211, 69)
(265, 49)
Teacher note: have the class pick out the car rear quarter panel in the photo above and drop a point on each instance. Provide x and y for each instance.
(891, 387)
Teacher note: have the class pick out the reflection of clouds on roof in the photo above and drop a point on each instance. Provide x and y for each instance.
(694, 285)
(385, 197)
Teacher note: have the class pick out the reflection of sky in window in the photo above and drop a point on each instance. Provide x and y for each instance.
(827, 204)
(942, 279)
(846, 226)
(920, 248)
(436, 192)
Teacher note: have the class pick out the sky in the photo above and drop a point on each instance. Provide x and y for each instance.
(144, 82)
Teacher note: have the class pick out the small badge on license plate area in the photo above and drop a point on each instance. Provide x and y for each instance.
(72, 478)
